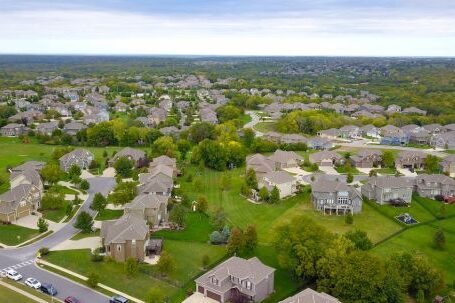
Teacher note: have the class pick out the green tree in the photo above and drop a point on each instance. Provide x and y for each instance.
(124, 192)
(201, 131)
(43, 226)
(225, 182)
(93, 280)
(218, 219)
(184, 146)
(228, 112)
(236, 241)
(420, 298)
(373, 173)
(51, 173)
(360, 239)
(205, 261)
(432, 164)
(131, 267)
(251, 179)
(274, 195)
(264, 194)
(84, 185)
(99, 202)
(388, 158)
(52, 201)
(202, 204)
(439, 239)
(166, 264)
(178, 215)
(248, 137)
(124, 167)
(84, 222)
(349, 178)
(165, 146)
(250, 238)
(74, 171)
(442, 211)
(349, 219)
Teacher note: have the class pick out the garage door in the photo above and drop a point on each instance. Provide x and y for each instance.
(200, 289)
(213, 296)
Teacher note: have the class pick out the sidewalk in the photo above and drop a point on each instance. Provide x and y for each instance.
(72, 273)
(22, 292)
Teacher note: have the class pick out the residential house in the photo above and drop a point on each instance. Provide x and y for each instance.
(138, 157)
(311, 296)
(392, 135)
(293, 139)
(72, 128)
(145, 121)
(382, 189)
(413, 111)
(434, 129)
(444, 140)
(367, 158)
(151, 207)
(449, 127)
(448, 164)
(286, 159)
(125, 238)
(430, 186)
(335, 197)
(393, 108)
(121, 107)
(18, 202)
(166, 161)
(236, 279)
(158, 181)
(13, 130)
(421, 136)
(35, 165)
(28, 176)
(260, 164)
(157, 115)
(349, 132)
(370, 131)
(332, 133)
(326, 158)
(79, 157)
(410, 159)
(286, 183)
(47, 128)
(319, 143)
(272, 137)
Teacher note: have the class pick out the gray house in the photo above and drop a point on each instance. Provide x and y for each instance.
(151, 207)
(385, 188)
(13, 130)
(335, 197)
(237, 279)
(286, 159)
(430, 186)
(448, 164)
(326, 158)
(410, 159)
(311, 296)
(80, 157)
(367, 158)
(136, 155)
(73, 128)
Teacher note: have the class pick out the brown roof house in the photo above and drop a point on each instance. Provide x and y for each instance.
(326, 158)
(367, 158)
(260, 164)
(382, 189)
(164, 161)
(448, 164)
(311, 296)
(136, 155)
(125, 238)
(79, 157)
(335, 197)
(430, 186)
(158, 181)
(13, 130)
(236, 279)
(286, 159)
(410, 159)
(286, 183)
(18, 202)
(151, 207)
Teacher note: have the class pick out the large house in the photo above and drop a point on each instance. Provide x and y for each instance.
(286, 183)
(18, 202)
(47, 128)
(286, 159)
(311, 296)
(382, 189)
(367, 158)
(136, 155)
(326, 158)
(410, 159)
(158, 181)
(430, 186)
(151, 207)
(260, 164)
(236, 279)
(164, 161)
(13, 130)
(79, 157)
(448, 164)
(125, 238)
(444, 140)
(335, 196)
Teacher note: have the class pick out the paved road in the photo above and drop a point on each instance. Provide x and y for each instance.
(22, 259)
(255, 119)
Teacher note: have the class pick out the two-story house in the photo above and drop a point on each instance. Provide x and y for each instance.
(430, 186)
(286, 183)
(382, 189)
(367, 158)
(151, 207)
(336, 197)
(79, 157)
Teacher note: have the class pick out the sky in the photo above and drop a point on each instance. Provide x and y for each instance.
(229, 27)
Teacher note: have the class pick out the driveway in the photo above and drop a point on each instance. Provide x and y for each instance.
(109, 172)
(329, 170)
(23, 259)
(255, 119)
(198, 298)
(406, 172)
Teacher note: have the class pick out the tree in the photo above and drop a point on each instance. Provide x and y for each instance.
(218, 219)
(225, 183)
(349, 178)
(442, 211)
(439, 239)
(228, 112)
(202, 204)
(263, 194)
(178, 215)
(166, 264)
(124, 167)
(99, 202)
(349, 219)
(155, 295)
(131, 267)
(92, 280)
(124, 192)
(420, 298)
(236, 242)
(432, 164)
(165, 146)
(250, 238)
(74, 171)
(388, 159)
(205, 261)
(51, 173)
(217, 238)
(248, 137)
(43, 226)
(359, 239)
(52, 200)
(274, 195)
(84, 185)
(373, 173)
(201, 131)
(184, 146)
(84, 222)
(213, 154)
(251, 179)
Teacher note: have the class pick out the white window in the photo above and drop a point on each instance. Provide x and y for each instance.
(119, 247)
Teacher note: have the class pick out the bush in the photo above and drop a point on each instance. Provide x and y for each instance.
(84, 185)
(131, 267)
(43, 251)
(349, 219)
(439, 239)
(96, 257)
(43, 226)
(92, 280)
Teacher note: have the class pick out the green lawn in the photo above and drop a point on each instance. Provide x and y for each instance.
(416, 210)
(109, 214)
(55, 215)
(14, 234)
(111, 273)
(434, 207)
(419, 240)
(198, 229)
(9, 296)
(82, 235)
(386, 171)
(63, 190)
(265, 127)
(343, 169)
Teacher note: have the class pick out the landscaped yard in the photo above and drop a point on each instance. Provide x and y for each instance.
(55, 215)
(14, 234)
(345, 169)
(109, 214)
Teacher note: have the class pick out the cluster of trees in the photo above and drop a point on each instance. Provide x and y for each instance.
(251, 183)
(342, 266)
(242, 242)
(124, 192)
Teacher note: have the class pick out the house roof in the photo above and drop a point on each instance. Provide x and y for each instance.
(144, 201)
(77, 153)
(390, 182)
(37, 165)
(325, 154)
(438, 178)
(133, 153)
(28, 174)
(128, 227)
(282, 156)
(311, 296)
(279, 177)
(10, 199)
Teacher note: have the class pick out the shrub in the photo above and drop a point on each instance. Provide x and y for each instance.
(96, 257)
(92, 280)
(43, 251)
(43, 226)
(84, 185)
(349, 219)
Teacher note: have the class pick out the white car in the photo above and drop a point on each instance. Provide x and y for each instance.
(33, 283)
(13, 275)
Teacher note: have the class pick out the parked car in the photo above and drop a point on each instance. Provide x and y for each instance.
(449, 199)
(71, 299)
(33, 283)
(48, 289)
(398, 202)
(13, 275)
(118, 299)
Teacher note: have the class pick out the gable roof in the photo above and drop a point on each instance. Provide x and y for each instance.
(282, 156)
(311, 296)
(126, 228)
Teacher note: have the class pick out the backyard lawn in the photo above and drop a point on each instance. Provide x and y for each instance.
(14, 234)
(109, 214)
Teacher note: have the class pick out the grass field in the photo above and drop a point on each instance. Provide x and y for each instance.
(82, 235)
(55, 215)
(109, 214)
(9, 296)
(265, 127)
(25, 288)
(14, 234)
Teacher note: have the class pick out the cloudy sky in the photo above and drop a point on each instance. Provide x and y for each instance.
(229, 27)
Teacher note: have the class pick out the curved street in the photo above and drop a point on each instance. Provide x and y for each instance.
(23, 259)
